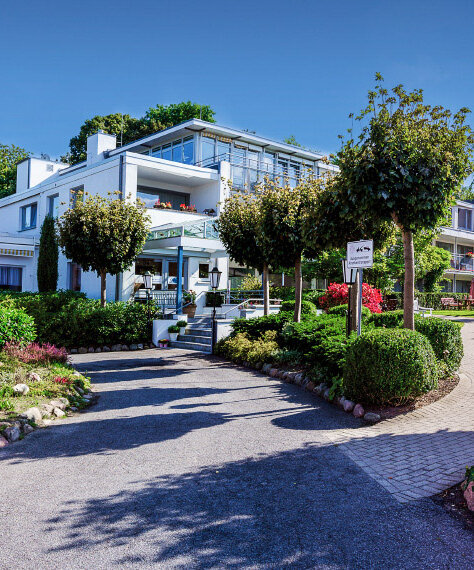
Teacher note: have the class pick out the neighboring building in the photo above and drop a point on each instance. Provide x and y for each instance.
(186, 167)
(458, 239)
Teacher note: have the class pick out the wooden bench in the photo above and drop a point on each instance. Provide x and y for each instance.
(449, 303)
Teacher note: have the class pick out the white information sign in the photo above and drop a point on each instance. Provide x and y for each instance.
(360, 254)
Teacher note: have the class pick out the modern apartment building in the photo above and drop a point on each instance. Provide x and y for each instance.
(181, 174)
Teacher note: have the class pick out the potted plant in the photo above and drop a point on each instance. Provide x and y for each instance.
(173, 332)
(182, 326)
(470, 254)
(163, 343)
(157, 204)
(189, 298)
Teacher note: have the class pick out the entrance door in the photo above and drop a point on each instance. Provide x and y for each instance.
(172, 275)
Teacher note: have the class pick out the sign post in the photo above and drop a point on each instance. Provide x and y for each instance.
(360, 255)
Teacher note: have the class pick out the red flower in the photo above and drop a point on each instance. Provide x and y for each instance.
(338, 294)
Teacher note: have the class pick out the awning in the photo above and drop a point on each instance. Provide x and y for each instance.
(17, 252)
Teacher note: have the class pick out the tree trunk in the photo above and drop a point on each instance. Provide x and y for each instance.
(354, 306)
(103, 288)
(298, 290)
(409, 286)
(266, 291)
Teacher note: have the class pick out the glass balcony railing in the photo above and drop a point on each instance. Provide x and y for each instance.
(460, 262)
(202, 229)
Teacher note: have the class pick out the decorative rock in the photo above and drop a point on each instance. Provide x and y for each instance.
(98, 349)
(74, 409)
(469, 495)
(59, 413)
(258, 366)
(140, 346)
(321, 388)
(358, 411)
(33, 415)
(59, 403)
(133, 347)
(274, 372)
(12, 434)
(46, 410)
(326, 394)
(340, 401)
(299, 378)
(348, 406)
(105, 349)
(3, 441)
(91, 349)
(310, 386)
(266, 368)
(34, 377)
(65, 401)
(21, 389)
(281, 374)
(82, 350)
(371, 417)
(124, 347)
(76, 373)
(80, 390)
(28, 429)
(73, 351)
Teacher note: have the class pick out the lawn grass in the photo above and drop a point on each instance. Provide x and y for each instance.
(13, 371)
(455, 313)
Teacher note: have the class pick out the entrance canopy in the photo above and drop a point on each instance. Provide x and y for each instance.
(200, 237)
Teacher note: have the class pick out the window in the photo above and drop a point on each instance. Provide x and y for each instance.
(188, 150)
(177, 151)
(77, 195)
(151, 196)
(154, 266)
(53, 205)
(74, 276)
(464, 219)
(166, 152)
(10, 278)
(181, 150)
(28, 216)
(207, 149)
(204, 271)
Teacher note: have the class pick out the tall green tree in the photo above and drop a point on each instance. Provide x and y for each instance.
(239, 226)
(47, 270)
(283, 210)
(104, 235)
(129, 129)
(10, 156)
(406, 166)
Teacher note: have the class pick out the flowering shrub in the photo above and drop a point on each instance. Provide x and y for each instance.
(62, 380)
(337, 294)
(190, 208)
(35, 353)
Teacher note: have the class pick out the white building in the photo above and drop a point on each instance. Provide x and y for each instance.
(186, 167)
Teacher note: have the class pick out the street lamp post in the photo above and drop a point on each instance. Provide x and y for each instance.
(215, 277)
(147, 283)
(350, 276)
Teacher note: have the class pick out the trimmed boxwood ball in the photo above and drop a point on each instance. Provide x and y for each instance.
(445, 338)
(389, 366)
(16, 326)
(307, 308)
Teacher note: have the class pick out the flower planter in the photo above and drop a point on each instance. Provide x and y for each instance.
(163, 343)
(182, 330)
(190, 310)
(173, 336)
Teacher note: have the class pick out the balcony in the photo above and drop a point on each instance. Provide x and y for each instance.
(460, 262)
(201, 236)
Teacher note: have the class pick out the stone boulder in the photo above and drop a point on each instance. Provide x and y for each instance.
(21, 389)
(98, 350)
(46, 410)
(58, 413)
(105, 349)
(28, 429)
(469, 495)
(33, 415)
(60, 403)
(34, 377)
(82, 350)
(3, 441)
(371, 417)
(348, 406)
(358, 411)
(12, 433)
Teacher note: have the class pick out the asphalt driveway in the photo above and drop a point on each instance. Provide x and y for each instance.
(190, 462)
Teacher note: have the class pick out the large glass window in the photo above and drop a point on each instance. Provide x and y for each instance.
(154, 266)
(53, 205)
(268, 162)
(10, 278)
(207, 149)
(178, 151)
(223, 150)
(166, 152)
(28, 216)
(188, 150)
(154, 197)
(464, 219)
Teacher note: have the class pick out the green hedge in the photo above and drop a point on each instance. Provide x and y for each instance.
(341, 311)
(430, 300)
(65, 318)
(444, 335)
(307, 308)
(389, 366)
(255, 328)
(15, 326)
(322, 340)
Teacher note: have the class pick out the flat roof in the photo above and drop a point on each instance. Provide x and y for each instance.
(198, 125)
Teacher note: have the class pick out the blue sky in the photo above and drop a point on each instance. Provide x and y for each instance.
(274, 67)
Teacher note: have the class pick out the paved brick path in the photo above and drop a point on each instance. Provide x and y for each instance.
(425, 451)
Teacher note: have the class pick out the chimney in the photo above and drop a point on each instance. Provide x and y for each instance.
(32, 171)
(98, 144)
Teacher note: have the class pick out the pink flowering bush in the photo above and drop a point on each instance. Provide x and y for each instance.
(62, 380)
(35, 353)
(338, 294)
